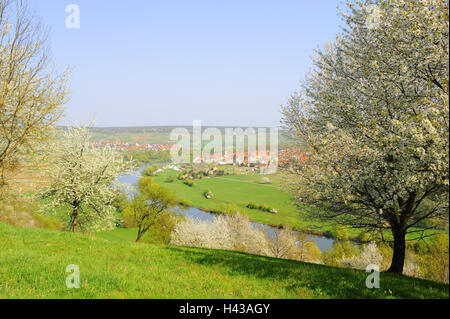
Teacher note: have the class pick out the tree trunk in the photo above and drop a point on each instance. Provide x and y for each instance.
(75, 219)
(398, 258)
(140, 234)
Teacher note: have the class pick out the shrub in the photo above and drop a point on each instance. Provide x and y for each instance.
(149, 205)
(265, 180)
(151, 170)
(283, 244)
(340, 233)
(208, 194)
(161, 231)
(180, 176)
(308, 251)
(381, 256)
(365, 237)
(189, 182)
(237, 233)
(252, 206)
(263, 207)
(170, 179)
(245, 237)
(228, 209)
(433, 259)
(203, 234)
(369, 256)
(335, 254)
(120, 201)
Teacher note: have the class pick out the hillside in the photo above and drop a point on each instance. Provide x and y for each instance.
(33, 263)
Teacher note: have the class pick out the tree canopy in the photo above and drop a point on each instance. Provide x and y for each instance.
(375, 114)
(85, 181)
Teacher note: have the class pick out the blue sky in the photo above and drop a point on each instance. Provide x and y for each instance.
(145, 62)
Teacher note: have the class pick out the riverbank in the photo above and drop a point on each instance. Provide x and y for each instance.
(241, 190)
(322, 242)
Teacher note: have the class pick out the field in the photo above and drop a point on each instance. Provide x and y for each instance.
(123, 269)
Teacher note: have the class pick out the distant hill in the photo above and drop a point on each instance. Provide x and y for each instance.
(152, 134)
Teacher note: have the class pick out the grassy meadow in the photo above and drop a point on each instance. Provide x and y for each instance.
(242, 189)
(33, 264)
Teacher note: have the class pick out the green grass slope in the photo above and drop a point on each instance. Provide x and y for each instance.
(33, 264)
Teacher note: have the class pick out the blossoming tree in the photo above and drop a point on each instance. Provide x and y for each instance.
(84, 180)
(374, 111)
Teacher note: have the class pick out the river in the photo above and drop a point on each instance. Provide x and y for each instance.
(131, 179)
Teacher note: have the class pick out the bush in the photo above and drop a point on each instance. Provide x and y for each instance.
(433, 259)
(161, 231)
(151, 170)
(340, 250)
(340, 233)
(189, 182)
(237, 233)
(170, 179)
(365, 237)
(203, 234)
(265, 180)
(228, 209)
(263, 207)
(369, 256)
(252, 206)
(26, 212)
(308, 251)
(245, 237)
(180, 176)
(120, 201)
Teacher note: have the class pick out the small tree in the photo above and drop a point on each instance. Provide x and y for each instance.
(150, 170)
(32, 94)
(84, 179)
(283, 244)
(149, 205)
(307, 250)
(375, 114)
